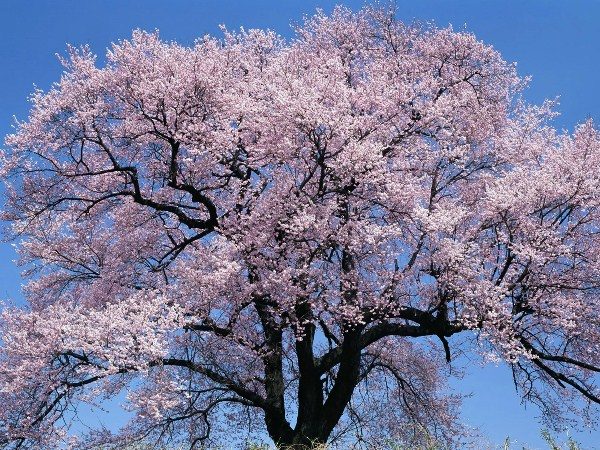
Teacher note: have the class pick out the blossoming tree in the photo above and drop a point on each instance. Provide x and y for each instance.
(287, 234)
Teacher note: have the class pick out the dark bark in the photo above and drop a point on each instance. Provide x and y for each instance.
(310, 389)
(277, 426)
(318, 416)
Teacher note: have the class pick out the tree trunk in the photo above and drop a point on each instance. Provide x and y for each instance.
(317, 418)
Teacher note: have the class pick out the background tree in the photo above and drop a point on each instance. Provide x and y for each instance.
(254, 230)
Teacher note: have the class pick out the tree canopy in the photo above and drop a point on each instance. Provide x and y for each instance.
(287, 234)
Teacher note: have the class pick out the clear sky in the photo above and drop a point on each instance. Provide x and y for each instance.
(557, 42)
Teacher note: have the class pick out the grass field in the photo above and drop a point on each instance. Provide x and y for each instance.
(551, 444)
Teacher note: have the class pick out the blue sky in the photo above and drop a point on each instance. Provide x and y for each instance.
(556, 42)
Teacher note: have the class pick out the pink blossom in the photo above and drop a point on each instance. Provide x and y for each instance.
(289, 233)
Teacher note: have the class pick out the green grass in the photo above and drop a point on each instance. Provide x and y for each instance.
(551, 442)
